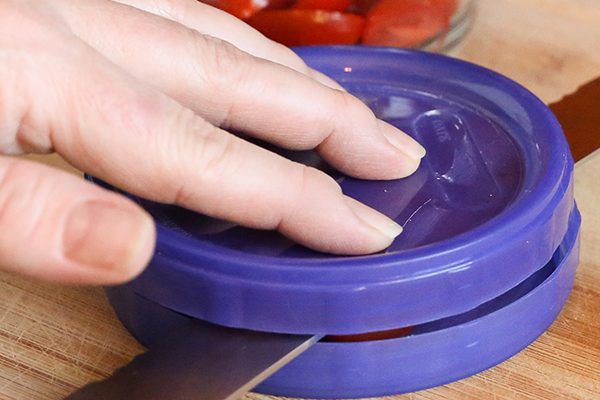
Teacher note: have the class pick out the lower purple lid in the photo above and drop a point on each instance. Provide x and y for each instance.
(435, 353)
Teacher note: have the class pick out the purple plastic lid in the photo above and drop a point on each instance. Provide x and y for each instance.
(487, 208)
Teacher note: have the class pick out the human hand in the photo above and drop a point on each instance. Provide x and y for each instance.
(140, 93)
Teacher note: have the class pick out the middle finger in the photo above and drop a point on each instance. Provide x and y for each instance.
(214, 22)
(233, 89)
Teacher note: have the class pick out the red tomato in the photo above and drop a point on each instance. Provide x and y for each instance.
(277, 4)
(446, 7)
(407, 23)
(362, 6)
(367, 337)
(332, 5)
(242, 9)
(308, 27)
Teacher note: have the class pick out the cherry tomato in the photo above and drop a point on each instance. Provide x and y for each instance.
(331, 5)
(367, 337)
(277, 4)
(308, 27)
(446, 7)
(407, 23)
(361, 6)
(242, 9)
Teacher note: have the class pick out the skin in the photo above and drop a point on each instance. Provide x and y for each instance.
(142, 93)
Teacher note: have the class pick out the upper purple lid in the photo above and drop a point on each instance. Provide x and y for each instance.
(486, 209)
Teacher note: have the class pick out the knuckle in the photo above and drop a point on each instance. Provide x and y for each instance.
(209, 155)
(22, 77)
(301, 176)
(322, 180)
(221, 68)
(12, 107)
(9, 173)
(173, 9)
(20, 190)
(220, 63)
(346, 104)
(312, 180)
(288, 57)
(350, 104)
(307, 181)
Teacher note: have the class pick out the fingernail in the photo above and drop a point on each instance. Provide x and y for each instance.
(110, 237)
(402, 141)
(386, 226)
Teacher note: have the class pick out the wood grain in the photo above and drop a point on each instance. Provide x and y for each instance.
(54, 339)
(549, 46)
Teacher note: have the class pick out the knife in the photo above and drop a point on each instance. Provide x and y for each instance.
(579, 115)
(202, 361)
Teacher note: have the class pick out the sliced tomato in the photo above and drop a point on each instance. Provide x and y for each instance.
(331, 5)
(242, 9)
(361, 6)
(407, 23)
(308, 27)
(371, 336)
(446, 7)
(278, 4)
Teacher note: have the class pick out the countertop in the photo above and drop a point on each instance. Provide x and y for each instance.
(54, 339)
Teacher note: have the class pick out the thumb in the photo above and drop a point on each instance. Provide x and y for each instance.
(56, 227)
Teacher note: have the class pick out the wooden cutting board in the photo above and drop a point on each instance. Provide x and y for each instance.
(54, 339)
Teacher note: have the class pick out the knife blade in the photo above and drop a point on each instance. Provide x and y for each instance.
(579, 115)
(200, 361)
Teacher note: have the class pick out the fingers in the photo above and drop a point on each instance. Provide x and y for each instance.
(234, 90)
(107, 123)
(56, 227)
(219, 24)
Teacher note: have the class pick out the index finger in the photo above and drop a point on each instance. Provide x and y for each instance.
(214, 22)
